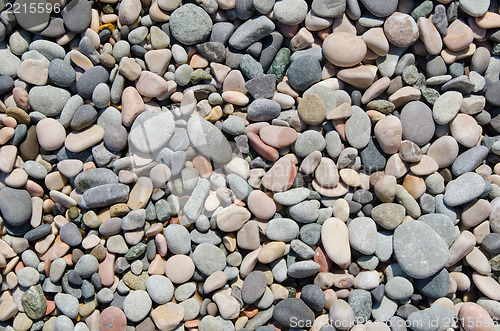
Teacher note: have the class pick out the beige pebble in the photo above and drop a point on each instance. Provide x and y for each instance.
(78, 141)
(151, 85)
(375, 40)
(8, 155)
(401, 29)
(236, 98)
(462, 246)
(335, 238)
(429, 36)
(50, 133)
(459, 36)
(34, 72)
(361, 76)
(478, 261)
(232, 218)
(426, 166)
(140, 193)
(344, 49)
(465, 130)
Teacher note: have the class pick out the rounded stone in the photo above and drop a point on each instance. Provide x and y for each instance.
(208, 258)
(137, 305)
(190, 24)
(401, 29)
(419, 250)
(303, 72)
(344, 49)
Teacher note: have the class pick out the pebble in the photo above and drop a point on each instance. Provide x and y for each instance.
(293, 309)
(419, 250)
(465, 188)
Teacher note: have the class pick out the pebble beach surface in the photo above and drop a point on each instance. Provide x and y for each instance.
(221, 165)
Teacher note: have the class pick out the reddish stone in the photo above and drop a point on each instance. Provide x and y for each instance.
(112, 319)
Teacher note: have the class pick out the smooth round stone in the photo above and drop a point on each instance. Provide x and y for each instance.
(208, 258)
(361, 304)
(329, 8)
(90, 79)
(262, 110)
(50, 133)
(160, 289)
(341, 315)
(446, 107)
(282, 229)
(398, 288)
(95, 177)
(61, 73)
(253, 287)
(177, 239)
(70, 234)
(475, 317)
(190, 24)
(234, 125)
(417, 122)
(388, 132)
(465, 188)
(465, 130)
(380, 8)
(84, 116)
(112, 318)
(48, 100)
(419, 250)
(435, 286)
(151, 131)
(77, 15)
(35, 169)
(15, 205)
(278, 136)
(335, 239)
(311, 109)
(261, 205)
(86, 266)
(115, 137)
(363, 235)
(444, 151)
(293, 309)
(475, 8)
(179, 268)
(358, 128)
(459, 36)
(28, 276)
(308, 142)
(137, 305)
(211, 143)
(469, 160)
(290, 12)
(401, 30)
(67, 304)
(304, 72)
(344, 49)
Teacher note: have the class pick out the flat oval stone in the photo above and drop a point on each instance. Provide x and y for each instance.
(90, 79)
(77, 15)
(380, 8)
(50, 133)
(190, 24)
(344, 49)
(209, 140)
(15, 205)
(335, 239)
(358, 128)
(282, 229)
(261, 110)
(48, 100)
(278, 136)
(465, 188)
(151, 131)
(444, 151)
(401, 29)
(292, 309)
(417, 122)
(209, 258)
(419, 250)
